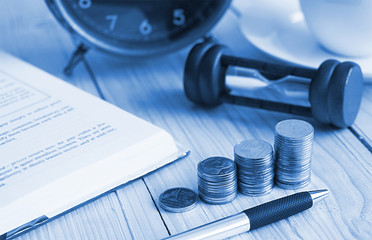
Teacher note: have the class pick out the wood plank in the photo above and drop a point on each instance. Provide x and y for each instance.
(100, 219)
(30, 32)
(362, 125)
(152, 89)
(214, 132)
(143, 217)
(133, 217)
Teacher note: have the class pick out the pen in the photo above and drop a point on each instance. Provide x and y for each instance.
(253, 218)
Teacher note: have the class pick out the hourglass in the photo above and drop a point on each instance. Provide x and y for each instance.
(334, 89)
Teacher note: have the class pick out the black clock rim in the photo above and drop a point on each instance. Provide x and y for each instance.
(84, 36)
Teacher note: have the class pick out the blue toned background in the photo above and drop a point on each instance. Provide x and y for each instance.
(153, 90)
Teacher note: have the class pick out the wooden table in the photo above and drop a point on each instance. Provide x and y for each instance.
(152, 89)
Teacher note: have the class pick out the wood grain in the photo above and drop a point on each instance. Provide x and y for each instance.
(101, 219)
(362, 125)
(152, 89)
(30, 32)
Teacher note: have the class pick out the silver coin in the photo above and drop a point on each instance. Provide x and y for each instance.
(218, 199)
(216, 195)
(251, 191)
(216, 167)
(293, 150)
(255, 182)
(254, 159)
(178, 199)
(294, 186)
(294, 130)
(253, 149)
(217, 181)
(216, 189)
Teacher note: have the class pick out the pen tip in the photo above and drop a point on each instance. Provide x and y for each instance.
(317, 195)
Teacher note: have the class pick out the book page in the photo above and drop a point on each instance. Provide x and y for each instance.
(49, 129)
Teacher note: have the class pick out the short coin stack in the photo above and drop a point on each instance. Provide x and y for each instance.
(293, 147)
(217, 180)
(254, 159)
(178, 200)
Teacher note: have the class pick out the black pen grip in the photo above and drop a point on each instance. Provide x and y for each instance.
(278, 209)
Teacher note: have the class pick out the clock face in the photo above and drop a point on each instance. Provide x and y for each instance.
(138, 27)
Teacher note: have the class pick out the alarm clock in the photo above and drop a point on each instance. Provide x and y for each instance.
(138, 27)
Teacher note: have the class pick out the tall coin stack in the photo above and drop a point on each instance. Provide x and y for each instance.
(254, 159)
(293, 147)
(217, 180)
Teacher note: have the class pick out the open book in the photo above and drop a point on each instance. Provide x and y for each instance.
(60, 146)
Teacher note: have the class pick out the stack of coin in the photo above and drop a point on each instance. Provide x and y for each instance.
(217, 180)
(178, 200)
(254, 159)
(293, 146)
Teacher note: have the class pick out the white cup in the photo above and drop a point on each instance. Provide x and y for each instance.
(341, 26)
